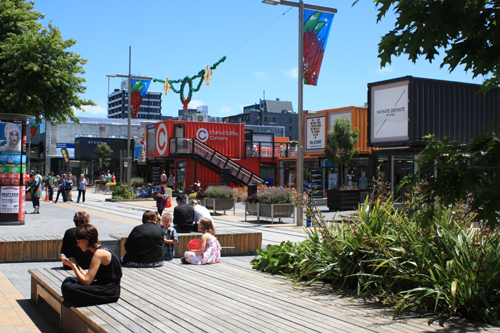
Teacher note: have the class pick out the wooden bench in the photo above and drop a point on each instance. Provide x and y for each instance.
(32, 248)
(48, 248)
(234, 244)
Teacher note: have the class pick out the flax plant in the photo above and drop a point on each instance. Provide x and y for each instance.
(406, 258)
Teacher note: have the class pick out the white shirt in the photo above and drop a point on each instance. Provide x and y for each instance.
(199, 212)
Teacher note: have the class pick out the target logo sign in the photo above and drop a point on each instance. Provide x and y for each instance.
(202, 134)
(161, 139)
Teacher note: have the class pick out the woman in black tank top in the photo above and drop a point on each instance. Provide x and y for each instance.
(101, 283)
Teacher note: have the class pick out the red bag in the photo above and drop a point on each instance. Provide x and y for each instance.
(168, 203)
(194, 244)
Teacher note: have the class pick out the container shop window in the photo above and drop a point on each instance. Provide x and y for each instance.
(268, 173)
(403, 166)
(357, 169)
(180, 178)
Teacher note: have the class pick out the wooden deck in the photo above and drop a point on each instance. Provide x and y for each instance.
(229, 297)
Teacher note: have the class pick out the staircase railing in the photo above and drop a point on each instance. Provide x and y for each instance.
(192, 146)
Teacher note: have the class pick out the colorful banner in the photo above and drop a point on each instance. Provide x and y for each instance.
(65, 155)
(316, 30)
(139, 90)
(33, 129)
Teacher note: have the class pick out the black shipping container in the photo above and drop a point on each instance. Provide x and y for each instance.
(403, 110)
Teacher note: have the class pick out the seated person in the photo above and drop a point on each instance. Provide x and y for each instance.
(69, 246)
(144, 245)
(101, 284)
(183, 215)
(199, 212)
(209, 251)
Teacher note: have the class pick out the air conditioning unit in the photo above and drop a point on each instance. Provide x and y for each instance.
(200, 117)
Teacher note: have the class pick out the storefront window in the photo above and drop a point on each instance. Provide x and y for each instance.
(403, 166)
(180, 176)
(357, 173)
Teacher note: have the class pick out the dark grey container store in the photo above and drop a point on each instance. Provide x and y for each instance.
(444, 108)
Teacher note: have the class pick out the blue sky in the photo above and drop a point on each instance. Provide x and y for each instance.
(175, 39)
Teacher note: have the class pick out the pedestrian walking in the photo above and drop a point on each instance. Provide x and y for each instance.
(61, 188)
(69, 188)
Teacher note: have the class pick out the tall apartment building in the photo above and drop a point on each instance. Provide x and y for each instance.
(118, 104)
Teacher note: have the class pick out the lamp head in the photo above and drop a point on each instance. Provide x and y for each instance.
(272, 2)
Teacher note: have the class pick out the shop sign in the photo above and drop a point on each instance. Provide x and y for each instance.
(315, 133)
(389, 112)
(204, 135)
(332, 116)
(162, 139)
(9, 199)
(332, 180)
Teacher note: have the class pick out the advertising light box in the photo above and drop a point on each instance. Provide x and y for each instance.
(389, 113)
(315, 134)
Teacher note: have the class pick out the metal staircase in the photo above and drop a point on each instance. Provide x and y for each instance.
(212, 159)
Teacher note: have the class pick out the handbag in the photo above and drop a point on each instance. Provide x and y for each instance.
(168, 203)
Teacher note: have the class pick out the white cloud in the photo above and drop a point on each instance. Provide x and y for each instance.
(383, 70)
(99, 110)
(195, 103)
(292, 73)
(226, 109)
(262, 76)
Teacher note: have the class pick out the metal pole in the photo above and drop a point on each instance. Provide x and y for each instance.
(129, 95)
(300, 153)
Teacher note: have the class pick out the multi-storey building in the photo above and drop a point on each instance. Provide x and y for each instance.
(269, 113)
(118, 104)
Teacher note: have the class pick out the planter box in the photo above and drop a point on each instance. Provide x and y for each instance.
(270, 210)
(276, 210)
(252, 208)
(219, 204)
(343, 199)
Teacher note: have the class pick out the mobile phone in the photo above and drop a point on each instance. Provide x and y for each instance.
(64, 256)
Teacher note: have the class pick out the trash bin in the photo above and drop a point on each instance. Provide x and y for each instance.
(252, 189)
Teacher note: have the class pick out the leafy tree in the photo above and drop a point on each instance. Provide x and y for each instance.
(38, 76)
(471, 172)
(467, 31)
(102, 153)
(340, 143)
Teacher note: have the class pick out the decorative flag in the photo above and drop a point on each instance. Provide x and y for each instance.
(139, 90)
(316, 30)
(33, 129)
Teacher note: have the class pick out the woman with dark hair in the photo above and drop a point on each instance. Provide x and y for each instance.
(101, 283)
(69, 247)
(161, 197)
(144, 245)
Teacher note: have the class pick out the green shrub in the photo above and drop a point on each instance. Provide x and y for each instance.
(123, 192)
(275, 195)
(402, 258)
(137, 180)
(219, 192)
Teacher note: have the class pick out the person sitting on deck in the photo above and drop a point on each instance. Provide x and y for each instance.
(69, 244)
(183, 215)
(101, 284)
(199, 212)
(209, 251)
(144, 244)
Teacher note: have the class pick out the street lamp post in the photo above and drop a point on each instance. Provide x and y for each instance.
(129, 113)
(300, 153)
